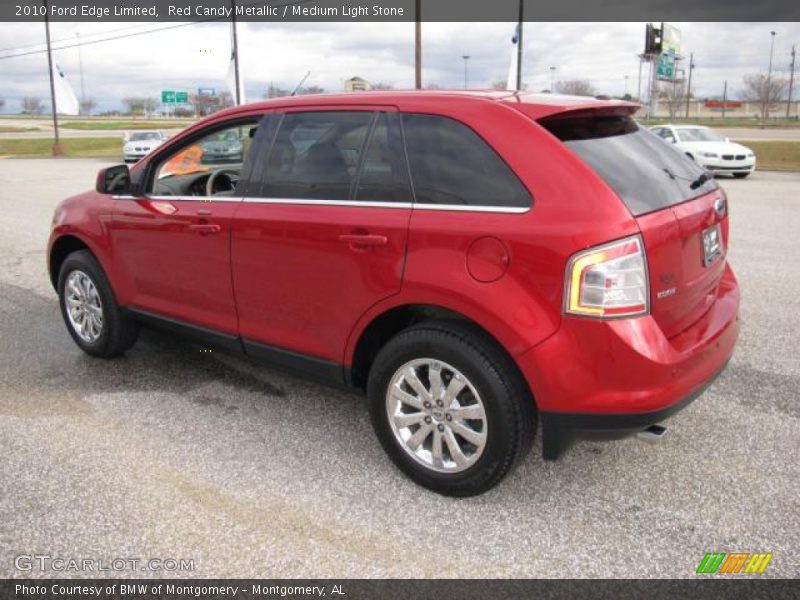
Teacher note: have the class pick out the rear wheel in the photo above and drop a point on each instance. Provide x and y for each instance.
(90, 311)
(450, 408)
(740, 175)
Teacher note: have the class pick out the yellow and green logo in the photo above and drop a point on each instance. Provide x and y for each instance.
(734, 562)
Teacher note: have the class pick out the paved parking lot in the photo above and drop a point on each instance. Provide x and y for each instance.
(171, 453)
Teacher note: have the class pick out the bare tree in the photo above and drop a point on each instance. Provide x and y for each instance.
(149, 105)
(135, 105)
(673, 95)
(500, 84)
(432, 86)
(274, 91)
(2, 102)
(32, 105)
(311, 89)
(382, 86)
(575, 87)
(87, 106)
(225, 100)
(766, 91)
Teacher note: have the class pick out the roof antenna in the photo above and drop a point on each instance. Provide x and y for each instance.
(297, 87)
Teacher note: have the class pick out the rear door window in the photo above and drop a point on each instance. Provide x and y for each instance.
(451, 164)
(646, 173)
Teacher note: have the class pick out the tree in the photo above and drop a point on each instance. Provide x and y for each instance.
(575, 87)
(32, 105)
(2, 102)
(382, 86)
(500, 84)
(225, 100)
(765, 90)
(673, 95)
(135, 105)
(432, 86)
(311, 89)
(274, 91)
(149, 105)
(87, 106)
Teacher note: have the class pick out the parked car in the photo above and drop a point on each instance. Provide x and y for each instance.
(709, 149)
(473, 262)
(139, 144)
(225, 147)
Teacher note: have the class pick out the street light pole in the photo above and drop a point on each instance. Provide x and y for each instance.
(791, 84)
(80, 66)
(519, 45)
(466, 78)
(418, 45)
(689, 83)
(57, 150)
(235, 51)
(768, 91)
(552, 80)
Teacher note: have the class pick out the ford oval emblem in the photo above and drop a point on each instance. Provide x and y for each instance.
(719, 206)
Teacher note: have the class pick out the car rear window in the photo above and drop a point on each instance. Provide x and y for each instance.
(647, 173)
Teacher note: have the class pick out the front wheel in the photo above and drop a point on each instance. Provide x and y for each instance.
(90, 310)
(450, 408)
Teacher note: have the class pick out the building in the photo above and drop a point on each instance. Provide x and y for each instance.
(356, 84)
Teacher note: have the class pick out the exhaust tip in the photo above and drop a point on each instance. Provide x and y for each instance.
(653, 434)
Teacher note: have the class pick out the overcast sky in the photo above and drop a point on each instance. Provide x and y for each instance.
(186, 58)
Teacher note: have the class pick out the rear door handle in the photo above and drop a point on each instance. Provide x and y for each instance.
(363, 239)
(205, 228)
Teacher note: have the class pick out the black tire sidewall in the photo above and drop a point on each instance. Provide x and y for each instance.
(502, 444)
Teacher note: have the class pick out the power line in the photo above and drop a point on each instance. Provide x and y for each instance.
(105, 32)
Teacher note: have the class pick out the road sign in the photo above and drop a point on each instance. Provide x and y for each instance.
(206, 91)
(167, 97)
(181, 97)
(666, 65)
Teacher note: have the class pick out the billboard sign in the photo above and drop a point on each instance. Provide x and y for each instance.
(206, 91)
(670, 39)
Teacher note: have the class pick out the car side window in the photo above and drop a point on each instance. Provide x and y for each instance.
(217, 156)
(667, 135)
(383, 176)
(316, 155)
(451, 164)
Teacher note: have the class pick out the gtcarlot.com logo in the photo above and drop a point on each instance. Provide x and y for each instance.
(44, 562)
(734, 562)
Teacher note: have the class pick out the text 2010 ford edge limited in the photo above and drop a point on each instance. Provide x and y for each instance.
(473, 261)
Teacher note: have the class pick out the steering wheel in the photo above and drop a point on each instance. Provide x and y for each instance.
(212, 180)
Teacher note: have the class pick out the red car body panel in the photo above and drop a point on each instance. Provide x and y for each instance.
(280, 274)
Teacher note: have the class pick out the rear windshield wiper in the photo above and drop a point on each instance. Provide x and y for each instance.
(701, 179)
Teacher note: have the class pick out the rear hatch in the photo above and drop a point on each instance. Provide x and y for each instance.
(681, 211)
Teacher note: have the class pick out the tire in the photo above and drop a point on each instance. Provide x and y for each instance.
(740, 175)
(491, 381)
(691, 158)
(82, 281)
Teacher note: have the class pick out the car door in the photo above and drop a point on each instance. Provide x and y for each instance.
(322, 236)
(172, 244)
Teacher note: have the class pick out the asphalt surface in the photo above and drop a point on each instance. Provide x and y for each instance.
(171, 453)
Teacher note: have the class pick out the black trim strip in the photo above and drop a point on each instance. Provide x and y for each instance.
(319, 369)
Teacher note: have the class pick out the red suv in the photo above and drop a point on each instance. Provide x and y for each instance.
(472, 261)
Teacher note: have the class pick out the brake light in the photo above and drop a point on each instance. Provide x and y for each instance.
(608, 281)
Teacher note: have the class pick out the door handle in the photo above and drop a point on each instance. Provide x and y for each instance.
(363, 239)
(205, 228)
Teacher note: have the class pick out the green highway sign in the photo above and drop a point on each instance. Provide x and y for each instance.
(181, 97)
(666, 65)
(167, 97)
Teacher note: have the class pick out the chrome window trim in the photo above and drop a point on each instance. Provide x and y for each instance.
(404, 205)
(182, 198)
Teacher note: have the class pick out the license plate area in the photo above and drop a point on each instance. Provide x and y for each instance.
(712, 244)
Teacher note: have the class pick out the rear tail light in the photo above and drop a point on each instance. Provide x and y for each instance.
(608, 281)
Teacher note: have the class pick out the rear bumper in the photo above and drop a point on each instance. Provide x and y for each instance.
(611, 378)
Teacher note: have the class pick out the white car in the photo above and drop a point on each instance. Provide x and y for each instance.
(709, 149)
(140, 143)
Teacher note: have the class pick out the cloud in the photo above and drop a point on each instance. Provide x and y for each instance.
(197, 55)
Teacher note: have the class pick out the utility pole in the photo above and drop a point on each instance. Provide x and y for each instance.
(80, 66)
(235, 54)
(466, 78)
(639, 87)
(626, 85)
(689, 83)
(724, 98)
(552, 80)
(791, 84)
(57, 150)
(520, 22)
(418, 46)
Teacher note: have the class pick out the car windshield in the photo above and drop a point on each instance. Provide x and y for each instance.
(143, 136)
(699, 134)
(646, 173)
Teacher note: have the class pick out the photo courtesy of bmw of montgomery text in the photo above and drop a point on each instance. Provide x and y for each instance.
(475, 262)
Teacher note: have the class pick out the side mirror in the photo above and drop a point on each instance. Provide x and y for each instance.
(113, 180)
